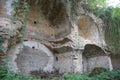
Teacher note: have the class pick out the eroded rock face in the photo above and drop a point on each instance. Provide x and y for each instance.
(9, 33)
(69, 62)
(30, 56)
(115, 60)
(56, 34)
(94, 56)
(8, 26)
(48, 20)
(89, 30)
(6, 7)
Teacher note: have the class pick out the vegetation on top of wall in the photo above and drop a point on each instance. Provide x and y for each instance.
(111, 18)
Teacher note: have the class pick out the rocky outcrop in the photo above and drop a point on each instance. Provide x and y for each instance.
(55, 36)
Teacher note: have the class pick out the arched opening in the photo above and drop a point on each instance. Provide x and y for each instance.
(53, 20)
(95, 56)
(25, 59)
(88, 29)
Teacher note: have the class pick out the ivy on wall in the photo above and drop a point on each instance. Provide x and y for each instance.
(21, 9)
(2, 39)
(111, 18)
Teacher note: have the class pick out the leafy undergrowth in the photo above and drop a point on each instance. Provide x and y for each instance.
(6, 75)
(108, 75)
(46, 75)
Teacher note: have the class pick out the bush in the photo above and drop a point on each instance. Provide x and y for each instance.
(5, 75)
(3, 71)
(97, 70)
(2, 39)
(108, 75)
(76, 77)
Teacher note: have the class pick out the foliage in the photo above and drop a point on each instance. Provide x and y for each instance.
(3, 71)
(111, 19)
(2, 48)
(93, 5)
(2, 39)
(46, 75)
(109, 75)
(21, 8)
(6, 75)
(116, 13)
(76, 77)
(97, 70)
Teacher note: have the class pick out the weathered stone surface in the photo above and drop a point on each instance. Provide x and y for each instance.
(61, 25)
(6, 7)
(69, 62)
(94, 56)
(115, 62)
(52, 23)
(31, 56)
(101, 61)
(89, 29)
(92, 50)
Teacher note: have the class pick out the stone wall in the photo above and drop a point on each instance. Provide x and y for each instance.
(69, 62)
(94, 56)
(54, 36)
(100, 61)
(30, 56)
(115, 62)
